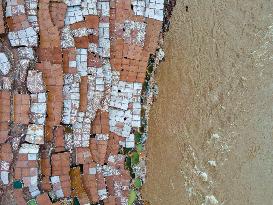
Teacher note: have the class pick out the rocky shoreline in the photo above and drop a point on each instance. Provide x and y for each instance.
(150, 91)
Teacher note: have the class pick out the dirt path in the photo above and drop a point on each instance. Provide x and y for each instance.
(215, 104)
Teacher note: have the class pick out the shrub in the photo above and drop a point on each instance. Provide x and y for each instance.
(138, 183)
(138, 138)
(135, 158)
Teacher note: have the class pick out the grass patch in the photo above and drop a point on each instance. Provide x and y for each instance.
(139, 148)
(135, 158)
(132, 197)
(138, 183)
(138, 137)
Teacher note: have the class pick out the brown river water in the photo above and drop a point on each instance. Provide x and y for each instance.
(210, 135)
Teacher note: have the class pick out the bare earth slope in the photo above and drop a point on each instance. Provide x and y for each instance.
(215, 103)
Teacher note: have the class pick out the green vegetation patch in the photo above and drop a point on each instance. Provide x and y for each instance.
(32, 202)
(128, 162)
(150, 68)
(132, 197)
(126, 150)
(135, 158)
(139, 148)
(138, 137)
(138, 183)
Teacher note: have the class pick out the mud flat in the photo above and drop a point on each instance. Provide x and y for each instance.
(210, 134)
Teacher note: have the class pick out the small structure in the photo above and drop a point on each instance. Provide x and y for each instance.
(128, 142)
(35, 134)
(6, 157)
(104, 39)
(59, 142)
(43, 199)
(24, 37)
(101, 183)
(58, 11)
(45, 171)
(4, 64)
(149, 8)
(81, 61)
(90, 182)
(69, 60)
(71, 94)
(110, 201)
(2, 23)
(117, 178)
(21, 108)
(26, 53)
(38, 108)
(83, 155)
(98, 147)
(26, 168)
(73, 15)
(100, 124)
(31, 7)
(5, 83)
(125, 109)
(21, 33)
(113, 144)
(81, 130)
(83, 94)
(5, 115)
(35, 83)
(89, 7)
(60, 174)
(19, 197)
(53, 78)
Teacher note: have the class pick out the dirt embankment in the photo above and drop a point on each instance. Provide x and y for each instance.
(211, 127)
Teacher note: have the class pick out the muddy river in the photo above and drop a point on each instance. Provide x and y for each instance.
(210, 136)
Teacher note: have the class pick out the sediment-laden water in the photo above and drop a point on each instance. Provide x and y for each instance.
(210, 137)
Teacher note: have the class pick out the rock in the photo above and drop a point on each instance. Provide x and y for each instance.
(211, 200)
(203, 176)
(215, 136)
(212, 163)
(160, 54)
